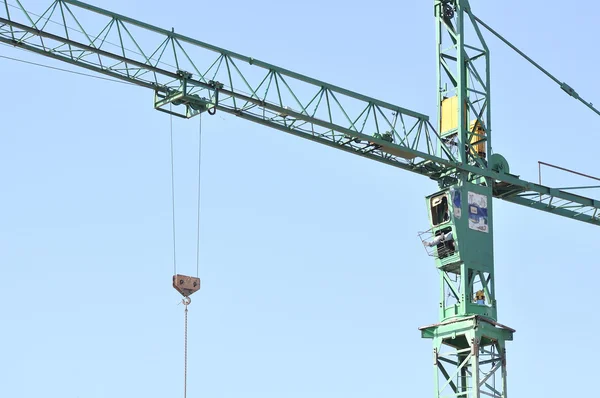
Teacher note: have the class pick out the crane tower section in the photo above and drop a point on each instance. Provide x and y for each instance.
(463, 71)
(469, 344)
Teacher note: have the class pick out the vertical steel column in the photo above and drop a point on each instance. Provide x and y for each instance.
(469, 357)
(463, 77)
(469, 345)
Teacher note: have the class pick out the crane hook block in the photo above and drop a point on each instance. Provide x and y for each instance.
(186, 285)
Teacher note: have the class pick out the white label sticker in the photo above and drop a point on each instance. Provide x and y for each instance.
(478, 215)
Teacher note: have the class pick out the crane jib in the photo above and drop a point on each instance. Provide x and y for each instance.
(330, 115)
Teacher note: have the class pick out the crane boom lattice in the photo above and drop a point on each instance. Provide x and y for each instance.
(196, 76)
(189, 77)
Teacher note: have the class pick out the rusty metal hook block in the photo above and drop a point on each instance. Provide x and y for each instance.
(186, 285)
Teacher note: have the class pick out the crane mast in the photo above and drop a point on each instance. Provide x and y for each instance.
(469, 345)
(189, 77)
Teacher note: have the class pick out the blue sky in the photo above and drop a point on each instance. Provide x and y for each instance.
(314, 279)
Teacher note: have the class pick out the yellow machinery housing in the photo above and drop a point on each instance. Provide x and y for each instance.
(449, 126)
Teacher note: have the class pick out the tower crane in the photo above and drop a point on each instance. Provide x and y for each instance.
(189, 77)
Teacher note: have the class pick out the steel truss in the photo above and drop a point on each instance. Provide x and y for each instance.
(189, 76)
(469, 357)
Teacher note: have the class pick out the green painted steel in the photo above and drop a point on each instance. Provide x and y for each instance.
(465, 259)
(469, 357)
(469, 346)
(191, 77)
(463, 72)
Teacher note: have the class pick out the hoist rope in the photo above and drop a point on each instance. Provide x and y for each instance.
(173, 195)
(186, 301)
(199, 180)
(64, 70)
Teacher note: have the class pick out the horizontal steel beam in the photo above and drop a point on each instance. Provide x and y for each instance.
(247, 59)
(319, 111)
